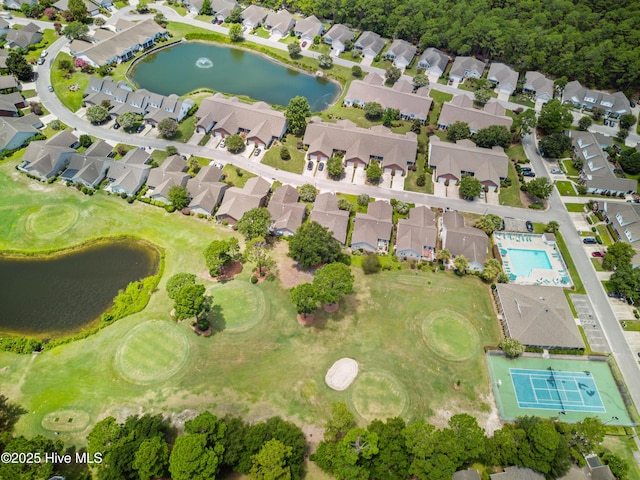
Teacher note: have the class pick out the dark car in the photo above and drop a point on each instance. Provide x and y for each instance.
(597, 254)
(529, 174)
(116, 126)
(529, 226)
(140, 128)
(615, 295)
(589, 240)
(632, 104)
(310, 165)
(525, 169)
(321, 166)
(605, 123)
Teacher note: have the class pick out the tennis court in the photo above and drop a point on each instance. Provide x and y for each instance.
(560, 391)
(574, 388)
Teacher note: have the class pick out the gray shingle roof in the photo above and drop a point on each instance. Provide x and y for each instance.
(238, 201)
(286, 212)
(205, 189)
(409, 104)
(340, 33)
(417, 232)
(360, 144)
(254, 15)
(538, 316)
(489, 165)
(401, 49)
(504, 76)
(326, 213)
(433, 59)
(372, 226)
(282, 21)
(517, 473)
(575, 93)
(460, 109)
(370, 43)
(538, 83)
(463, 66)
(462, 240)
(309, 27)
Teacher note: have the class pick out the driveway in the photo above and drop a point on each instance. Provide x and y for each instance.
(398, 183)
(439, 190)
(360, 176)
(348, 174)
(385, 181)
(589, 322)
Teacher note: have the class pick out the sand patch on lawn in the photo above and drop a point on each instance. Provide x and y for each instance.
(341, 374)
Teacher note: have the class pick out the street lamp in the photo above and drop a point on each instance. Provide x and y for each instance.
(609, 421)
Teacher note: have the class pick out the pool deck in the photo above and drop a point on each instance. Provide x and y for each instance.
(557, 276)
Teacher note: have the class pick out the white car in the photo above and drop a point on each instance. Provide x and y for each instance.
(44, 53)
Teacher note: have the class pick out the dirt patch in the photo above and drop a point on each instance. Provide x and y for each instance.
(227, 273)
(313, 435)
(288, 271)
(305, 320)
(263, 277)
(341, 374)
(331, 307)
(488, 420)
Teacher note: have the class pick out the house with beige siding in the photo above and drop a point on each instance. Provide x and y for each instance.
(372, 230)
(417, 235)
(238, 201)
(326, 213)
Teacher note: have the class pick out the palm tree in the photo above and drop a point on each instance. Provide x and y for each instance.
(444, 256)
(461, 264)
(552, 227)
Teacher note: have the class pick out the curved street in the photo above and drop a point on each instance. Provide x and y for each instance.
(625, 357)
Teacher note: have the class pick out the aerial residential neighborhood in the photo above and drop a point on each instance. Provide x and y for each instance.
(376, 242)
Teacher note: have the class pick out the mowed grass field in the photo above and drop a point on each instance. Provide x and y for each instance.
(259, 362)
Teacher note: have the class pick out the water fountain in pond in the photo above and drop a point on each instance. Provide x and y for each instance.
(204, 62)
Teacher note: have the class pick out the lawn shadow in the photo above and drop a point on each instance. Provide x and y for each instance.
(348, 305)
(216, 319)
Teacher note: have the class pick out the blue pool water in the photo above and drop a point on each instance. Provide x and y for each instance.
(522, 262)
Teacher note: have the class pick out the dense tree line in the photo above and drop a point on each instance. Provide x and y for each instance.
(395, 450)
(593, 41)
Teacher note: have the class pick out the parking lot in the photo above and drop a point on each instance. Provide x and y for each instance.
(591, 326)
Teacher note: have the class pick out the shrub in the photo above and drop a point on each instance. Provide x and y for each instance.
(363, 199)
(371, 264)
(284, 153)
(254, 279)
(170, 208)
(421, 181)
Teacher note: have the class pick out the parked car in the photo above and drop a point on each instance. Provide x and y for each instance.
(525, 169)
(556, 171)
(605, 123)
(529, 226)
(632, 104)
(633, 201)
(310, 165)
(615, 295)
(116, 126)
(40, 61)
(222, 144)
(589, 240)
(529, 174)
(320, 167)
(304, 44)
(50, 87)
(257, 152)
(481, 194)
(44, 54)
(140, 128)
(597, 254)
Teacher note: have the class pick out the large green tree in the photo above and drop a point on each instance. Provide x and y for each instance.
(78, 10)
(220, 253)
(554, 117)
(191, 459)
(206, 8)
(179, 196)
(29, 470)
(17, 65)
(296, 114)
(97, 114)
(325, 61)
(271, 462)
(75, 30)
(257, 251)
(392, 461)
(489, 223)
(374, 172)
(618, 255)
(492, 136)
(339, 423)
(335, 167)
(512, 347)
(373, 110)
(332, 281)
(128, 120)
(629, 160)
(235, 32)
(235, 143)
(177, 281)
(555, 146)
(539, 187)
(304, 298)
(189, 301)
(308, 193)
(151, 459)
(470, 187)
(626, 280)
(255, 223)
(458, 131)
(392, 75)
(168, 127)
(313, 244)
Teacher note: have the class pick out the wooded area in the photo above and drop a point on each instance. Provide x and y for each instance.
(593, 41)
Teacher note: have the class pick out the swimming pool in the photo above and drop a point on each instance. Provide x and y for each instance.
(522, 262)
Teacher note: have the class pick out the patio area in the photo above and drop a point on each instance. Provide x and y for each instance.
(530, 259)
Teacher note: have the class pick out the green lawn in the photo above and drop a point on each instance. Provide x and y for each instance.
(624, 446)
(574, 207)
(262, 33)
(253, 365)
(186, 129)
(438, 99)
(597, 264)
(569, 169)
(236, 175)
(577, 281)
(566, 188)
(511, 195)
(70, 99)
(353, 199)
(410, 182)
(295, 164)
(602, 230)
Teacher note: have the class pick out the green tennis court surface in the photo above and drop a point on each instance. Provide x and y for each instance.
(548, 387)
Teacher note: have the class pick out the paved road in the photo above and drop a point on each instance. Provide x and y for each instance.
(626, 359)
